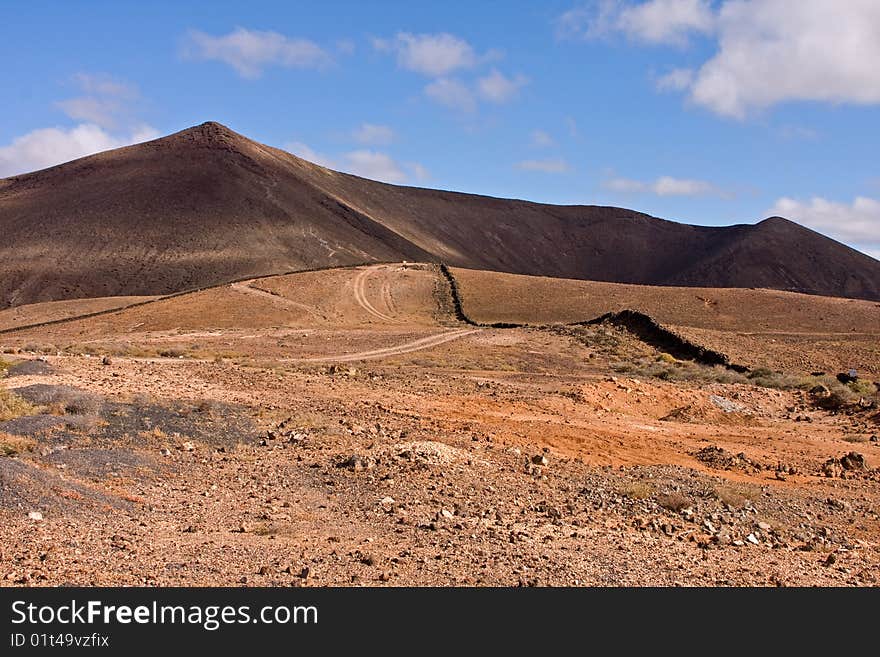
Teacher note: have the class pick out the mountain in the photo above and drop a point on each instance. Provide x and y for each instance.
(207, 205)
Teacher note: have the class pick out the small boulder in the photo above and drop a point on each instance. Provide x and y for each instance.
(853, 461)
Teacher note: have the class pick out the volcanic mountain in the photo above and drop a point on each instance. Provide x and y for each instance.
(206, 206)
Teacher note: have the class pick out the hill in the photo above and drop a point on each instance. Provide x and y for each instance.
(207, 205)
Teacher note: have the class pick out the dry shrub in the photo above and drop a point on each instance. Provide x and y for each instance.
(673, 501)
(84, 423)
(862, 388)
(173, 352)
(732, 495)
(153, 434)
(13, 406)
(636, 490)
(14, 445)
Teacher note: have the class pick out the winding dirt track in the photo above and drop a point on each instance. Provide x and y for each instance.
(245, 288)
(405, 348)
(360, 294)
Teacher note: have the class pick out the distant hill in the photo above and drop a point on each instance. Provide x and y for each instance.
(207, 205)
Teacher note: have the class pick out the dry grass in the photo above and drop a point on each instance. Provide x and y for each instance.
(14, 445)
(674, 501)
(153, 434)
(13, 406)
(734, 495)
(636, 490)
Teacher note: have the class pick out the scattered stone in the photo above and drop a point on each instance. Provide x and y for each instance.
(853, 461)
(820, 391)
(726, 405)
(764, 526)
(540, 459)
(848, 377)
(187, 446)
(751, 538)
(838, 467)
(165, 451)
(832, 468)
(35, 515)
(106, 360)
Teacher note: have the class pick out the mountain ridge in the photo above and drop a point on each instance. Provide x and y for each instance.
(206, 204)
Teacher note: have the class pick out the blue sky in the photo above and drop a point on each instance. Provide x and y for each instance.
(708, 112)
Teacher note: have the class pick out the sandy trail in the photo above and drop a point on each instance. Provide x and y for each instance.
(360, 295)
(405, 348)
(245, 288)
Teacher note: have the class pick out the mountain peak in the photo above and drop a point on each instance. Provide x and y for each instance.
(778, 222)
(210, 132)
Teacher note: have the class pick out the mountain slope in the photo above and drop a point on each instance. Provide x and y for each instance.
(206, 205)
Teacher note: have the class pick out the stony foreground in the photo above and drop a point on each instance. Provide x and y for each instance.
(170, 471)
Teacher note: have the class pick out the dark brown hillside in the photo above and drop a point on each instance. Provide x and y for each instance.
(206, 205)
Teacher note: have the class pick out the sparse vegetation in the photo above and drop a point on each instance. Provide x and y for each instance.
(733, 495)
(667, 368)
(863, 388)
(673, 501)
(13, 406)
(637, 490)
(14, 445)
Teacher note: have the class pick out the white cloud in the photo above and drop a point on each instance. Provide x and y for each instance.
(542, 139)
(498, 88)
(663, 186)
(374, 165)
(777, 51)
(102, 84)
(107, 102)
(676, 80)
(557, 165)
(451, 93)
(434, 55)
(653, 22)
(304, 151)
(100, 111)
(666, 21)
(768, 51)
(419, 171)
(371, 133)
(808, 51)
(250, 51)
(47, 147)
(857, 222)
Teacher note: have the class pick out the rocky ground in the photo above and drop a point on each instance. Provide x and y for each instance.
(347, 428)
(182, 472)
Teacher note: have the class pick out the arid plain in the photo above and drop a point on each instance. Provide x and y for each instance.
(398, 424)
